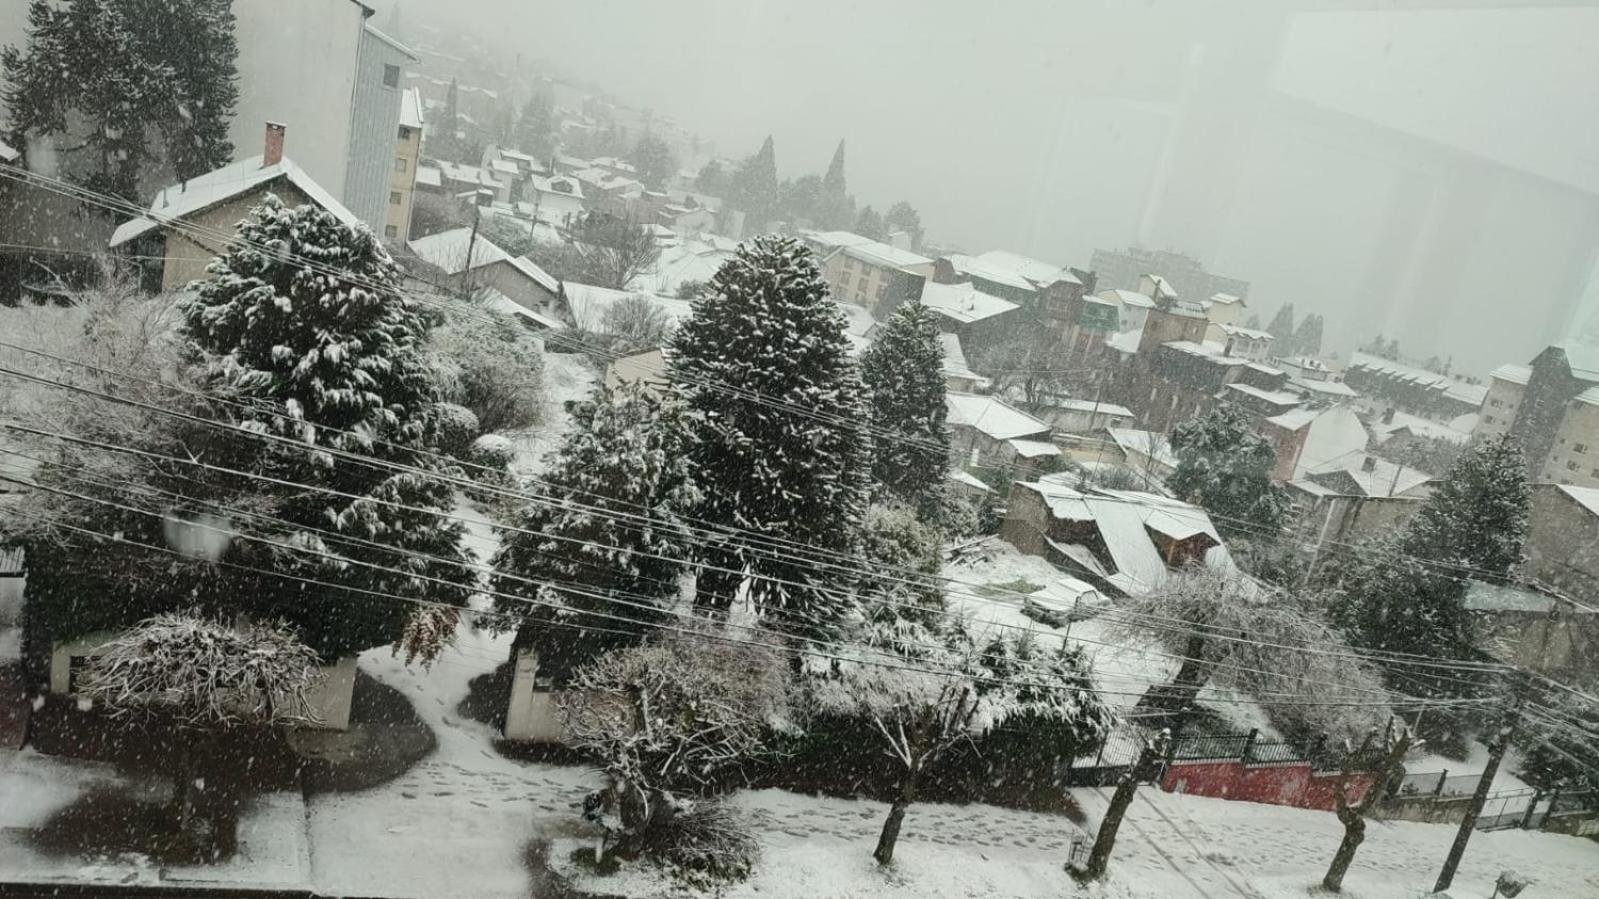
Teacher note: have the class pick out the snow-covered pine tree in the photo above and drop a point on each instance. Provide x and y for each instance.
(606, 537)
(1225, 466)
(339, 349)
(764, 337)
(195, 38)
(904, 369)
(1476, 518)
(535, 129)
(754, 188)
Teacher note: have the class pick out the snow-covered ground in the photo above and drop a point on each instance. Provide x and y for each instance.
(567, 377)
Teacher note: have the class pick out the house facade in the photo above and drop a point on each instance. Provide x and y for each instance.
(407, 159)
(868, 272)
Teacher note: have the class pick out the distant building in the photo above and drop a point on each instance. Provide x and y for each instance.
(189, 223)
(1082, 416)
(980, 320)
(1551, 407)
(987, 432)
(1132, 307)
(1410, 388)
(868, 272)
(1123, 269)
(471, 263)
(407, 159)
(320, 68)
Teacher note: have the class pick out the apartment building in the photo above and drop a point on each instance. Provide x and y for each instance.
(868, 272)
(1551, 406)
(407, 158)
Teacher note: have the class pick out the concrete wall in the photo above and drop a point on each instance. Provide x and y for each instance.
(297, 65)
(1498, 408)
(1574, 455)
(63, 656)
(374, 128)
(1290, 783)
(407, 148)
(1563, 542)
(188, 254)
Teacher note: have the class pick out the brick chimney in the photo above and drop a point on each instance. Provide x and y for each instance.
(272, 152)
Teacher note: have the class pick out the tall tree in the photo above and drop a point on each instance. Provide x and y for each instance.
(342, 354)
(1405, 592)
(606, 539)
(902, 216)
(654, 161)
(869, 223)
(1224, 466)
(800, 199)
(1282, 324)
(535, 128)
(775, 431)
(196, 39)
(833, 181)
(616, 249)
(835, 208)
(713, 179)
(754, 188)
(445, 139)
(1307, 340)
(904, 369)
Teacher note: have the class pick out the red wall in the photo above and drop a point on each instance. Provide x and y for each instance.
(1292, 783)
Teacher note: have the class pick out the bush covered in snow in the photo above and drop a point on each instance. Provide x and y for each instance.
(454, 428)
(493, 367)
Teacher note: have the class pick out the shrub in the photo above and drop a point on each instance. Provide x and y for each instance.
(454, 427)
(493, 367)
(705, 843)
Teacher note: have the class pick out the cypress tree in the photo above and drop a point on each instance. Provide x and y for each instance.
(904, 371)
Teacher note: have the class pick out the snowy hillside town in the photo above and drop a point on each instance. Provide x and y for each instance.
(616, 450)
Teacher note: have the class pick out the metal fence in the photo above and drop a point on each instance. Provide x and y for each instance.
(1438, 783)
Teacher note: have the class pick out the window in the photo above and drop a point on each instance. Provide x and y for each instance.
(405, 133)
(1495, 403)
(394, 198)
(1572, 465)
(882, 290)
(401, 164)
(391, 231)
(391, 76)
(1579, 448)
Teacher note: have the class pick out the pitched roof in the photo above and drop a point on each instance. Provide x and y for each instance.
(1128, 298)
(411, 108)
(868, 250)
(1076, 405)
(499, 302)
(1587, 497)
(1511, 373)
(448, 251)
(1040, 273)
(179, 201)
(1349, 473)
(1274, 397)
(991, 416)
(975, 267)
(589, 303)
(1146, 443)
(963, 303)
(1033, 449)
(955, 365)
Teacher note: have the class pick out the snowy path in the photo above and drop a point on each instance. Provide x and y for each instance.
(459, 823)
(567, 377)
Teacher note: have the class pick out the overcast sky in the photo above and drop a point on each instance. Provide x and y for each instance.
(1303, 153)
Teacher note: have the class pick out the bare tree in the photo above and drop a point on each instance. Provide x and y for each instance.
(1353, 817)
(635, 324)
(202, 678)
(618, 248)
(1126, 788)
(671, 718)
(1232, 632)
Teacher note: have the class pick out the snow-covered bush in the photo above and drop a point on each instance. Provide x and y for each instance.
(494, 451)
(705, 844)
(674, 717)
(910, 555)
(493, 367)
(635, 324)
(203, 678)
(454, 428)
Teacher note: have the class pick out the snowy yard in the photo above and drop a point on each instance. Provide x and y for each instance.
(567, 377)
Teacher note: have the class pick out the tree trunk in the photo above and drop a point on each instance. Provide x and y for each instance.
(1354, 835)
(884, 853)
(1185, 686)
(1099, 858)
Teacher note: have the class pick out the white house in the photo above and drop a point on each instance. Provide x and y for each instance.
(473, 263)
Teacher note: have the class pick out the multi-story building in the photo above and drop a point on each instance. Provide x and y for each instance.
(321, 68)
(868, 272)
(1551, 407)
(407, 158)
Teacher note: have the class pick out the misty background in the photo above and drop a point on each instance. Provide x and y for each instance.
(1425, 169)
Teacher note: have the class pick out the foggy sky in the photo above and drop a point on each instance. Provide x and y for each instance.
(1053, 128)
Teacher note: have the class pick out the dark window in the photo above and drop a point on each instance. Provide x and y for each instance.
(391, 231)
(394, 198)
(405, 133)
(399, 163)
(1580, 448)
(391, 76)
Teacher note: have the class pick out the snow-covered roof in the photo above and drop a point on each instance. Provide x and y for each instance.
(1145, 443)
(505, 167)
(955, 365)
(1124, 519)
(1207, 350)
(8, 153)
(1415, 424)
(1325, 388)
(1512, 373)
(975, 267)
(1583, 359)
(589, 303)
(1251, 333)
(1033, 449)
(557, 184)
(1587, 497)
(1225, 299)
(992, 416)
(1293, 419)
(428, 176)
(963, 303)
(1126, 341)
(1334, 433)
(1399, 370)
(448, 251)
(1040, 273)
(499, 302)
(1274, 397)
(969, 480)
(1128, 298)
(179, 201)
(411, 108)
(868, 250)
(468, 174)
(1076, 405)
(1367, 474)
(1265, 369)
(1589, 396)
(1470, 394)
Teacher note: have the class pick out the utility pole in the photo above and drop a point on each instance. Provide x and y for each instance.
(1496, 755)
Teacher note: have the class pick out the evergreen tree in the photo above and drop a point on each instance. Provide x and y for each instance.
(834, 206)
(765, 332)
(1282, 324)
(833, 181)
(535, 129)
(446, 141)
(654, 161)
(902, 216)
(1406, 592)
(754, 188)
(342, 351)
(713, 180)
(1225, 467)
(870, 224)
(904, 369)
(1307, 340)
(622, 460)
(117, 70)
(801, 199)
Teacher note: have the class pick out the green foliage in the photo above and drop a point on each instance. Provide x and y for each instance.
(753, 188)
(869, 223)
(902, 216)
(535, 128)
(904, 369)
(801, 476)
(654, 161)
(491, 366)
(606, 539)
(1225, 467)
